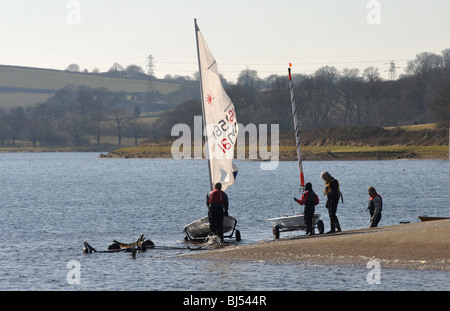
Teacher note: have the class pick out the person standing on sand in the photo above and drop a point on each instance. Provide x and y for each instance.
(375, 206)
(217, 202)
(333, 194)
(310, 200)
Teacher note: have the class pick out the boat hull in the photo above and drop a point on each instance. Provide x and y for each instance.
(199, 229)
(294, 222)
(430, 218)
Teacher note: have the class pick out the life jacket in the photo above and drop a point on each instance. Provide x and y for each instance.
(371, 206)
(327, 190)
(216, 197)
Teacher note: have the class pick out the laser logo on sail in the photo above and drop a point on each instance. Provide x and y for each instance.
(209, 99)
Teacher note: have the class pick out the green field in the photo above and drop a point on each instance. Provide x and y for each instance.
(35, 85)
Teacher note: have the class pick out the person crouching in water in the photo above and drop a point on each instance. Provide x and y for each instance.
(310, 200)
(375, 206)
(217, 202)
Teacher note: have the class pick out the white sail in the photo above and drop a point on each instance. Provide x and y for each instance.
(219, 118)
(297, 131)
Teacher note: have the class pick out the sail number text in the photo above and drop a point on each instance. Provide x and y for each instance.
(224, 128)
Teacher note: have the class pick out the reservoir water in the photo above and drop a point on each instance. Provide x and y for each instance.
(51, 202)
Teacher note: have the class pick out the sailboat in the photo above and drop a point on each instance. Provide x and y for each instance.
(221, 130)
(295, 222)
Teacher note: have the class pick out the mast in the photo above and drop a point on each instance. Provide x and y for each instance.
(203, 103)
(297, 132)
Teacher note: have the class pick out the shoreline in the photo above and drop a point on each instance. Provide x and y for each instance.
(415, 246)
(284, 153)
(309, 153)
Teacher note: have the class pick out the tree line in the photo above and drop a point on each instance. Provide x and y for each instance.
(71, 117)
(331, 98)
(325, 99)
(131, 72)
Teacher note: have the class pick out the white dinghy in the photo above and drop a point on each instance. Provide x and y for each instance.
(295, 222)
(219, 121)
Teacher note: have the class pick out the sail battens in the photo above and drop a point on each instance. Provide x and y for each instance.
(212, 65)
(229, 105)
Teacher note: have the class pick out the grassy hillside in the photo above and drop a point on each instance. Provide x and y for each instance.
(27, 86)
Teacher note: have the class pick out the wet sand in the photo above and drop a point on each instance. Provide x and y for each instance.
(424, 245)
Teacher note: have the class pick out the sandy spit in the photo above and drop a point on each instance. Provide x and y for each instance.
(423, 245)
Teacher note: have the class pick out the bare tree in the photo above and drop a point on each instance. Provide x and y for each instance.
(136, 129)
(349, 86)
(134, 71)
(44, 116)
(120, 118)
(17, 120)
(73, 68)
(83, 103)
(5, 131)
(441, 106)
(371, 74)
(249, 81)
(74, 124)
(95, 125)
(117, 70)
(325, 91)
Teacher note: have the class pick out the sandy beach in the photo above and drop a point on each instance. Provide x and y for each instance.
(423, 245)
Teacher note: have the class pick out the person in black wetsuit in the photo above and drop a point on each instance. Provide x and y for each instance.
(333, 194)
(310, 200)
(375, 206)
(217, 202)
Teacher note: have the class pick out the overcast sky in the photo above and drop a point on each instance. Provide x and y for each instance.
(264, 35)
